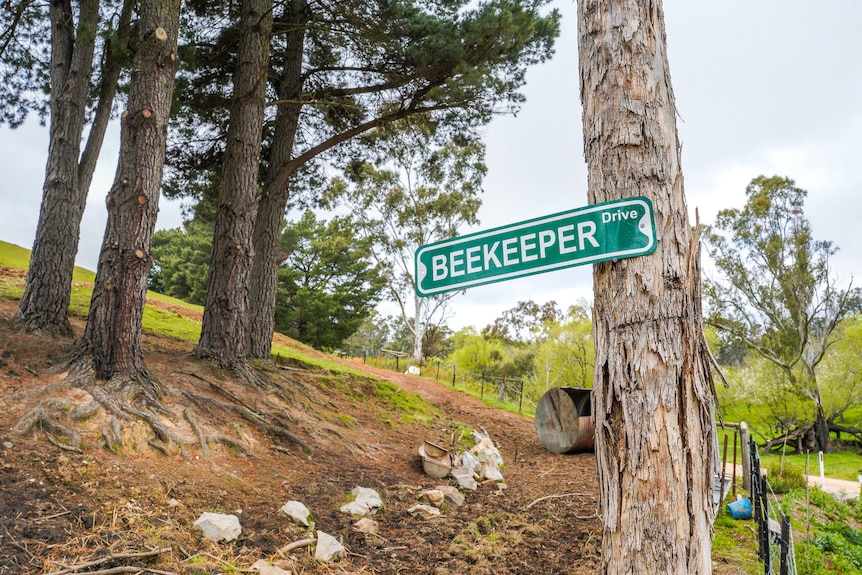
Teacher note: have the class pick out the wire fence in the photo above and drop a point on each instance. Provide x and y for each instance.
(774, 535)
(512, 393)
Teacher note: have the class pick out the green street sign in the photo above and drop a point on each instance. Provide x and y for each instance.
(597, 233)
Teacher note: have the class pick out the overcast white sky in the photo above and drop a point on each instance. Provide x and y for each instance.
(762, 87)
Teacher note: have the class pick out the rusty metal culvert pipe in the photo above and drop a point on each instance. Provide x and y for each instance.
(563, 420)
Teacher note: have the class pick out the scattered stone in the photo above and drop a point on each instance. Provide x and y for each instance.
(433, 497)
(451, 495)
(469, 461)
(489, 470)
(485, 451)
(424, 511)
(173, 502)
(366, 525)
(296, 511)
(502, 487)
(328, 548)
(464, 477)
(8, 445)
(413, 370)
(219, 527)
(265, 568)
(367, 502)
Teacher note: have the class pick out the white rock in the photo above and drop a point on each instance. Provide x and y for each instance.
(485, 450)
(296, 511)
(265, 568)
(433, 497)
(424, 511)
(366, 525)
(451, 495)
(469, 461)
(413, 370)
(219, 527)
(173, 502)
(465, 479)
(328, 548)
(491, 471)
(8, 444)
(367, 502)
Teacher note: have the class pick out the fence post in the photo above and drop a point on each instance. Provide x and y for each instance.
(733, 485)
(784, 568)
(746, 456)
(761, 514)
(454, 369)
(502, 396)
(397, 364)
(723, 477)
(521, 399)
(482, 395)
(438, 372)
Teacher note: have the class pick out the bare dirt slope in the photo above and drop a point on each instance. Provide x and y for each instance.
(60, 510)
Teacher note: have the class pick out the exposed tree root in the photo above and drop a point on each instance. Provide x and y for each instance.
(231, 442)
(189, 416)
(163, 434)
(84, 411)
(126, 399)
(39, 417)
(250, 375)
(274, 429)
(158, 446)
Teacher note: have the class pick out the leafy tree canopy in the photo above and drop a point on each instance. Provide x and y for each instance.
(181, 259)
(327, 283)
(524, 322)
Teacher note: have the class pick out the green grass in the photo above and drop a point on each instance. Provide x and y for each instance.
(15, 256)
(840, 465)
(735, 543)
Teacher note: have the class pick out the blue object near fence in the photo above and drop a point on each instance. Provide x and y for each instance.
(740, 509)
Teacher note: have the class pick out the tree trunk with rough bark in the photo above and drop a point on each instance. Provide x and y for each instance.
(47, 290)
(224, 331)
(273, 202)
(652, 400)
(111, 345)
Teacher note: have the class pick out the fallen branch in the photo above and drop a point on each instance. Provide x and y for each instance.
(296, 545)
(555, 496)
(117, 557)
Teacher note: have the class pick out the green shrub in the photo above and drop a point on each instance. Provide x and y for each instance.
(784, 481)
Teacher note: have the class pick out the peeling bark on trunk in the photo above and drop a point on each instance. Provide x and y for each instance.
(47, 290)
(224, 331)
(652, 402)
(111, 344)
(273, 202)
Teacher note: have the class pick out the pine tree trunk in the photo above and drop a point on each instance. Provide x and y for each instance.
(224, 331)
(652, 402)
(47, 290)
(112, 338)
(273, 202)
